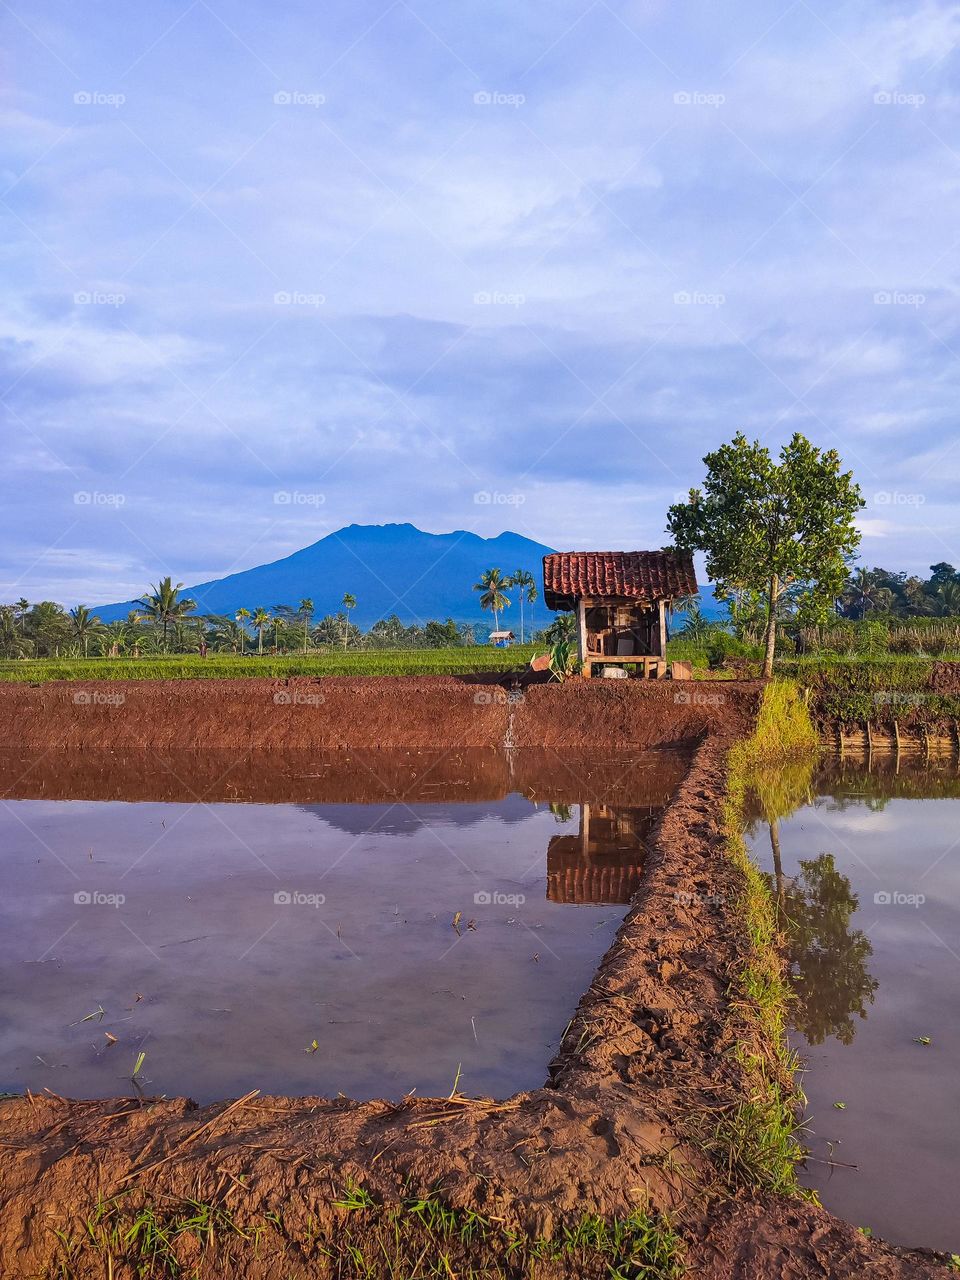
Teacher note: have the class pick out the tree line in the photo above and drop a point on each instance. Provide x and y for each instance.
(165, 620)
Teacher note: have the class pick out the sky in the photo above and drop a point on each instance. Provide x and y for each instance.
(270, 269)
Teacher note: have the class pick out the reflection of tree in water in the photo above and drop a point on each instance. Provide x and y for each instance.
(828, 959)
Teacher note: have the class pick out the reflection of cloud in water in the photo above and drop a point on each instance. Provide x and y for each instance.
(401, 819)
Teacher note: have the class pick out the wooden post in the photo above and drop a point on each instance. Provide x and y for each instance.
(582, 632)
(663, 628)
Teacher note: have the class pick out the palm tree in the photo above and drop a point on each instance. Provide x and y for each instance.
(85, 625)
(305, 610)
(527, 584)
(493, 586)
(241, 616)
(163, 603)
(279, 624)
(261, 620)
(349, 602)
(21, 607)
(116, 636)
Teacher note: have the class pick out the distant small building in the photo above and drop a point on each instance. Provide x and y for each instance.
(502, 638)
(620, 599)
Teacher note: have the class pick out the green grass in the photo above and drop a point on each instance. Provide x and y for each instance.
(419, 1238)
(754, 1142)
(373, 662)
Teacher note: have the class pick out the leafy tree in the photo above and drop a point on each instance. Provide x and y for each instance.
(163, 603)
(828, 959)
(442, 635)
(261, 620)
(493, 598)
(766, 525)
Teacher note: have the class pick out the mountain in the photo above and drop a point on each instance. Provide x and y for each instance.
(390, 568)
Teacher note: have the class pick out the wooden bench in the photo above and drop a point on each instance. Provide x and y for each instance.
(653, 667)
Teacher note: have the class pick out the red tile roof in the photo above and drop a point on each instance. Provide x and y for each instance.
(646, 576)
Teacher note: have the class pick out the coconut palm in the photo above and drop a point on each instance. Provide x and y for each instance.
(241, 616)
(85, 624)
(261, 620)
(349, 602)
(279, 625)
(115, 638)
(305, 611)
(21, 607)
(163, 604)
(493, 598)
(526, 585)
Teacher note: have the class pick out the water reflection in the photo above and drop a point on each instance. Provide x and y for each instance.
(863, 859)
(603, 863)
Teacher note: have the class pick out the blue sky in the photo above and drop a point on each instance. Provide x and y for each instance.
(271, 269)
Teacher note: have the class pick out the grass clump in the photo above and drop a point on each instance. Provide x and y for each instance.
(419, 1238)
(754, 1142)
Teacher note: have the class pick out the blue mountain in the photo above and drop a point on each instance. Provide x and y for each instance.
(389, 568)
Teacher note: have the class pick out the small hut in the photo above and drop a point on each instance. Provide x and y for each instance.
(621, 600)
(501, 639)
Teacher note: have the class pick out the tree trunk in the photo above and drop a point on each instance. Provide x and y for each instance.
(771, 626)
(521, 615)
(777, 862)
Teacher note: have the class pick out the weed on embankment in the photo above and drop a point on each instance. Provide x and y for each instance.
(420, 1238)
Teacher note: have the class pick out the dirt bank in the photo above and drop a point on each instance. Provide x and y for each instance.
(413, 713)
(287, 1183)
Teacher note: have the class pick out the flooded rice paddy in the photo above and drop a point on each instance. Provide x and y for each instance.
(866, 867)
(367, 924)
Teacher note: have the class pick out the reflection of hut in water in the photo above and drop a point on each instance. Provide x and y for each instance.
(604, 862)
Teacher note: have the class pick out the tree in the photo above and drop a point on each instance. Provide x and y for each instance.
(21, 607)
(767, 526)
(85, 625)
(279, 626)
(493, 598)
(349, 602)
(242, 616)
(261, 620)
(163, 603)
(526, 583)
(305, 612)
(828, 958)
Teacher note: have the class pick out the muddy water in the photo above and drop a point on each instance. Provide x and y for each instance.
(366, 924)
(866, 864)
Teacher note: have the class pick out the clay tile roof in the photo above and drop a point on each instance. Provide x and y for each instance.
(647, 576)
